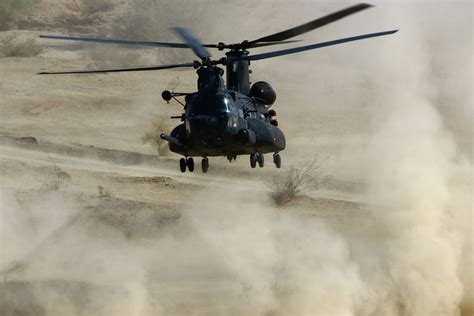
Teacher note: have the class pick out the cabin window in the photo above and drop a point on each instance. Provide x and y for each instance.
(209, 104)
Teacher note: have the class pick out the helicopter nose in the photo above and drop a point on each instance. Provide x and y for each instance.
(208, 126)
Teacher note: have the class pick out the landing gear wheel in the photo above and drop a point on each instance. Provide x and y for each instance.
(260, 160)
(277, 160)
(253, 160)
(190, 163)
(205, 165)
(182, 165)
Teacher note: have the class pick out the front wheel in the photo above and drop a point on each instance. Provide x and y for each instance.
(182, 165)
(205, 165)
(190, 163)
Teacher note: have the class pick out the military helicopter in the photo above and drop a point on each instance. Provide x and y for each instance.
(232, 118)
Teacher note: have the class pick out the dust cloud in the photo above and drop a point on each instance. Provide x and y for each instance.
(226, 256)
(233, 252)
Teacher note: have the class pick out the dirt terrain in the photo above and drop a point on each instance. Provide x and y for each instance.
(96, 222)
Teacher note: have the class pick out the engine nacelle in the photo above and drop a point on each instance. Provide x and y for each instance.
(263, 92)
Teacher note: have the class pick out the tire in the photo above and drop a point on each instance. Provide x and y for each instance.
(277, 160)
(253, 160)
(261, 160)
(190, 163)
(182, 165)
(205, 165)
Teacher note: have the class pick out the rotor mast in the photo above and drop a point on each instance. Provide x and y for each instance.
(237, 71)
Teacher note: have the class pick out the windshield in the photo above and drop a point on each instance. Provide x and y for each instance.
(209, 104)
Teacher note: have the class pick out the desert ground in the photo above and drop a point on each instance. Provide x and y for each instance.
(96, 221)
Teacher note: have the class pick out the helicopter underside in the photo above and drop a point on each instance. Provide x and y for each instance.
(267, 139)
(206, 151)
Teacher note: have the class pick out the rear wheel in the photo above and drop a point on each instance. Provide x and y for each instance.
(260, 160)
(253, 160)
(205, 164)
(277, 160)
(190, 163)
(182, 165)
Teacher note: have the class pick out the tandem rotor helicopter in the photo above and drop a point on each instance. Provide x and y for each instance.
(232, 118)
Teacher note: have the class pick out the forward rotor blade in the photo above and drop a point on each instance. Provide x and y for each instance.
(298, 30)
(96, 71)
(115, 41)
(193, 42)
(315, 46)
(273, 43)
(144, 43)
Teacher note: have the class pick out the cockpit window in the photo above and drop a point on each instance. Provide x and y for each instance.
(209, 104)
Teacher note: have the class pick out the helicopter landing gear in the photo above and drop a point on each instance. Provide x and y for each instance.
(205, 164)
(182, 165)
(257, 158)
(260, 160)
(186, 163)
(277, 160)
(253, 160)
(190, 164)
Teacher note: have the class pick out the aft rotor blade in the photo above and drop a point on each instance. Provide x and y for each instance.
(298, 30)
(315, 46)
(193, 42)
(115, 41)
(96, 71)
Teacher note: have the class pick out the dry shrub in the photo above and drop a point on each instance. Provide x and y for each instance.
(56, 178)
(103, 193)
(290, 182)
(153, 138)
(12, 9)
(12, 46)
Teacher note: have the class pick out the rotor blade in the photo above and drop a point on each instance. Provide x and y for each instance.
(298, 30)
(115, 41)
(143, 43)
(315, 46)
(273, 43)
(193, 42)
(96, 71)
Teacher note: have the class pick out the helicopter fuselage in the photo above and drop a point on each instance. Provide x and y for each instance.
(226, 123)
(218, 121)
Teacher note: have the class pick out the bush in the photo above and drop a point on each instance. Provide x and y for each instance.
(11, 9)
(11, 46)
(103, 193)
(290, 182)
(56, 178)
(153, 136)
